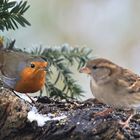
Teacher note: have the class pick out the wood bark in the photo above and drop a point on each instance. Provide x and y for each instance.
(81, 123)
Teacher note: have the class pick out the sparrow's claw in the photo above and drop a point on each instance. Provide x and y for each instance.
(104, 112)
(126, 123)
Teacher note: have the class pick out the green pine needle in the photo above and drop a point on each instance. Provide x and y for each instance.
(11, 14)
(61, 59)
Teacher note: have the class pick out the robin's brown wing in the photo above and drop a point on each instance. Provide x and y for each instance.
(15, 62)
(1, 59)
(8, 82)
(12, 65)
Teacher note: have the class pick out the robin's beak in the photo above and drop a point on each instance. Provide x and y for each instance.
(47, 69)
(85, 70)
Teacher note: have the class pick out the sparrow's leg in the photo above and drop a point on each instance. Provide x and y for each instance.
(104, 112)
(126, 123)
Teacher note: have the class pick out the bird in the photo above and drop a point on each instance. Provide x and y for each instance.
(114, 85)
(22, 72)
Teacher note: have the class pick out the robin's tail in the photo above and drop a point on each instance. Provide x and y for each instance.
(8, 46)
(1, 43)
(1, 59)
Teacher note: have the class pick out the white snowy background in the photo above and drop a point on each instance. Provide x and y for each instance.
(110, 27)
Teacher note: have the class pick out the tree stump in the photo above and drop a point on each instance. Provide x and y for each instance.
(64, 120)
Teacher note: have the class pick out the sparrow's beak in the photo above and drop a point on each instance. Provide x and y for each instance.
(85, 70)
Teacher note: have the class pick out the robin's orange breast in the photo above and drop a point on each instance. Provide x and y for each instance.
(30, 85)
(32, 79)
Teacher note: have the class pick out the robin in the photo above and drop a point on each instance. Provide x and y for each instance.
(21, 72)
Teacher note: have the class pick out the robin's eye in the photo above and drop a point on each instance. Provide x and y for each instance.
(94, 67)
(32, 65)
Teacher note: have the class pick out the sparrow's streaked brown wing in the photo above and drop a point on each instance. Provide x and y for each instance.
(130, 81)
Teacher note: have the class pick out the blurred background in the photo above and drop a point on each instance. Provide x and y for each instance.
(110, 27)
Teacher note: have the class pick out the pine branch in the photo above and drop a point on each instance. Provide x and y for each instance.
(61, 60)
(11, 14)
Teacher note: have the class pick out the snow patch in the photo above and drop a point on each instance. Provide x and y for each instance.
(41, 119)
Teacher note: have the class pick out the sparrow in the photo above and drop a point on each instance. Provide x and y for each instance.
(113, 85)
(22, 72)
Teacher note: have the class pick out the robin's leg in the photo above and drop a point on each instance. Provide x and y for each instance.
(16, 94)
(30, 98)
(26, 95)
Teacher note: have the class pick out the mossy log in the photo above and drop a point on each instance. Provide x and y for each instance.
(80, 123)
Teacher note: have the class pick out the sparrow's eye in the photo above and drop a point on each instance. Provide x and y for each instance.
(94, 67)
(32, 65)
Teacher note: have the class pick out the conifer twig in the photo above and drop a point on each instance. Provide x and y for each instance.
(11, 14)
